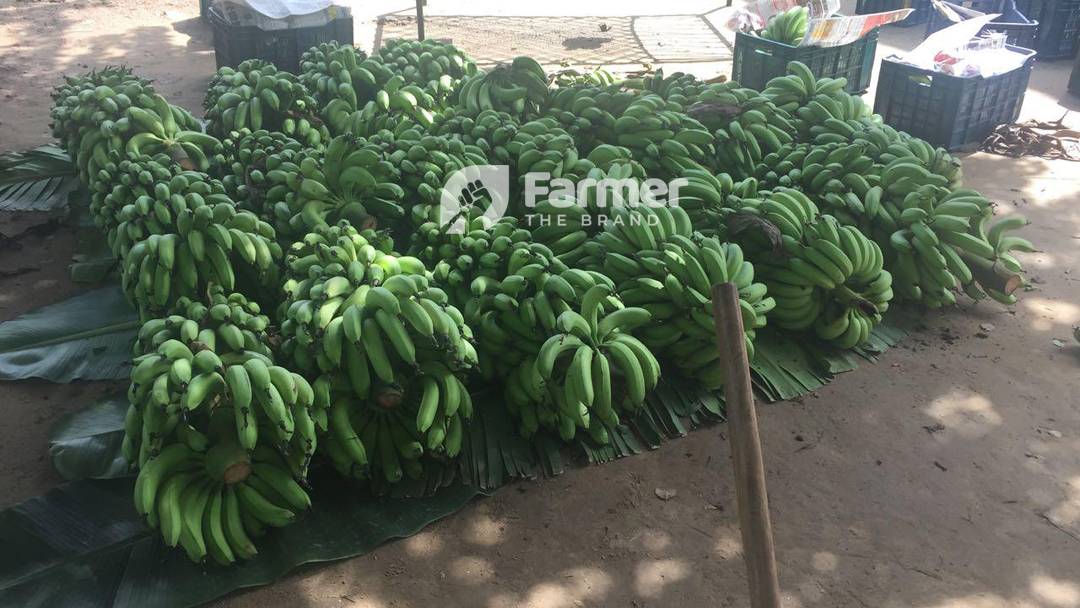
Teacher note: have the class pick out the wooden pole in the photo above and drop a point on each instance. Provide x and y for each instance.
(746, 456)
(420, 20)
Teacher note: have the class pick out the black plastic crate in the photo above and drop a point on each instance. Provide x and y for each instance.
(1059, 34)
(1019, 34)
(921, 14)
(233, 44)
(757, 60)
(949, 111)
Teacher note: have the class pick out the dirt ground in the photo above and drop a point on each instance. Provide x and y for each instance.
(945, 476)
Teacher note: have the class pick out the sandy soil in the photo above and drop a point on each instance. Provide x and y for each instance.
(945, 476)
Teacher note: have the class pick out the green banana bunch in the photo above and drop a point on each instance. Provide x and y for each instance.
(539, 146)
(79, 105)
(489, 131)
(885, 145)
(213, 356)
(925, 228)
(813, 101)
(123, 196)
(828, 276)
(103, 116)
(352, 180)
(438, 67)
(746, 126)
(515, 303)
(788, 27)
(596, 77)
(426, 61)
(206, 241)
(588, 112)
(390, 350)
(471, 265)
(587, 372)
(214, 502)
(705, 196)
(677, 87)
(332, 250)
(519, 88)
(565, 222)
(257, 95)
(425, 163)
(658, 262)
(246, 158)
(838, 176)
(1001, 266)
(414, 79)
(332, 71)
(664, 139)
(398, 106)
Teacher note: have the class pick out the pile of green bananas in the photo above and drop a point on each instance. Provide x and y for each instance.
(214, 502)
(822, 274)
(391, 351)
(246, 158)
(206, 242)
(586, 373)
(788, 27)
(576, 299)
(519, 88)
(257, 95)
(658, 262)
(352, 180)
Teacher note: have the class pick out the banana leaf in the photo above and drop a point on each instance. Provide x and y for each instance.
(36, 180)
(87, 337)
(86, 444)
(788, 365)
(82, 545)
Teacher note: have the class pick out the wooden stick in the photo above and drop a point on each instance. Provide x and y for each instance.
(746, 456)
(420, 20)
